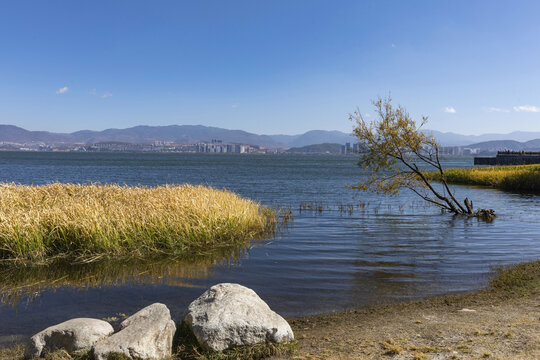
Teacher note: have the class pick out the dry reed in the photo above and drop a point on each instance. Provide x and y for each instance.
(521, 178)
(86, 222)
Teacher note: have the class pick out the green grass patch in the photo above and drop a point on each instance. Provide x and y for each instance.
(520, 279)
(391, 347)
(83, 223)
(519, 178)
(188, 348)
(17, 353)
(10, 353)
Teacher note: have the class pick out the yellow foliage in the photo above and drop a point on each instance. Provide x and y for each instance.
(523, 178)
(393, 147)
(84, 221)
(388, 143)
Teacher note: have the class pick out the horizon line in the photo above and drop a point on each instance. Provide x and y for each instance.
(260, 134)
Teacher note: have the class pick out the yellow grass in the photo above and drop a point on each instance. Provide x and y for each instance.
(521, 178)
(86, 222)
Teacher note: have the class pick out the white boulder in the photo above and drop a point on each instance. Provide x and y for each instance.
(148, 334)
(72, 335)
(229, 315)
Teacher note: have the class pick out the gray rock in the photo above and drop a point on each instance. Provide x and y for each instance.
(148, 334)
(72, 335)
(229, 315)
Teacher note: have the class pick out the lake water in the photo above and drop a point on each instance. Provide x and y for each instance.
(362, 248)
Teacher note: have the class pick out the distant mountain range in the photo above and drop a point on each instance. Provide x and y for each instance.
(498, 145)
(314, 137)
(325, 148)
(183, 134)
(180, 134)
(453, 139)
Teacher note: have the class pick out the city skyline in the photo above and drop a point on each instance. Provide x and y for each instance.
(268, 67)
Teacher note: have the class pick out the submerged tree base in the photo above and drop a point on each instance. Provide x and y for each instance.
(84, 223)
(485, 214)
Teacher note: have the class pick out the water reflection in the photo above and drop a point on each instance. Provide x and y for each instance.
(25, 284)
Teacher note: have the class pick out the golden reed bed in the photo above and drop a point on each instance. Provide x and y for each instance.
(39, 224)
(521, 178)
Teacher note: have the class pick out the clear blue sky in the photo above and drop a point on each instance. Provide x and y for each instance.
(268, 66)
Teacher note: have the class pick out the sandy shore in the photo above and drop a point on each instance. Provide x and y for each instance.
(500, 322)
(470, 327)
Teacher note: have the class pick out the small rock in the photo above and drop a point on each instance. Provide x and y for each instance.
(467, 310)
(229, 315)
(72, 335)
(148, 334)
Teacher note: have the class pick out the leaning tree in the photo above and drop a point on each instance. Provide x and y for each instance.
(396, 154)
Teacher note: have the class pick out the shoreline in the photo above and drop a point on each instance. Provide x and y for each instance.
(498, 322)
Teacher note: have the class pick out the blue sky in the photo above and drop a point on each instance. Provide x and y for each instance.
(268, 66)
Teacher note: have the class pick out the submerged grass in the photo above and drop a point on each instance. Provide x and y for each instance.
(520, 178)
(87, 222)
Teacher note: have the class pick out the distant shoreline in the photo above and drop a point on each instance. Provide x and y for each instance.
(352, 156)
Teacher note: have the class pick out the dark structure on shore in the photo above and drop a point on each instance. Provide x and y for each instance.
(510, 158)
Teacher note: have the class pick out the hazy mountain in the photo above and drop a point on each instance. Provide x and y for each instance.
(139, 134)
(500, 145)
(497, 145)
(314, 137)
(285, 139)
(180, 134)
(533, 144)
(325, 148)
(10, 133)
(453, 139)
(445, 138)
(183, 134)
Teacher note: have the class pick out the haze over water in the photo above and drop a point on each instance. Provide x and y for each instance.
(361, 248)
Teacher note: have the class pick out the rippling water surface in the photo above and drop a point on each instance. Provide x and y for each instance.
(360, 248)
